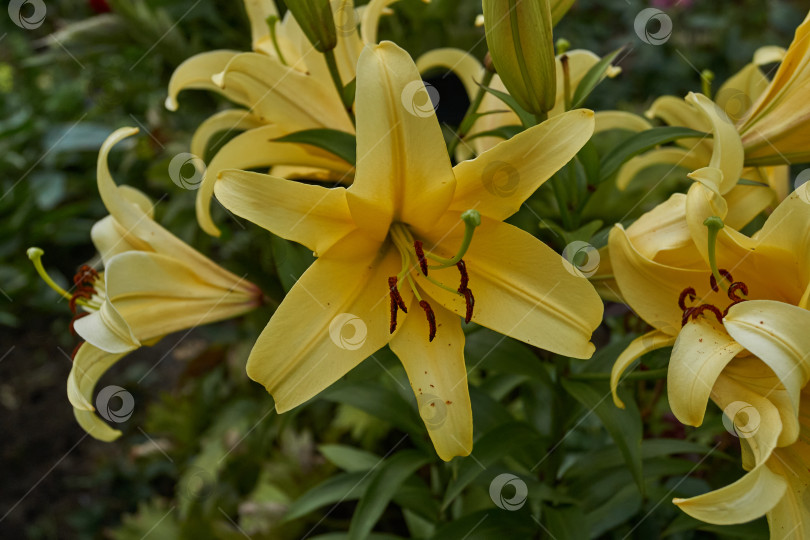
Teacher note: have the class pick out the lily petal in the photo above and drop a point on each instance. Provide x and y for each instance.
(438, 378)
(403, 170)
(788, 228)
(777, 333)
(699, 355)
(651, 341)
(196, 72)
(258, 11)
(607, 120)
(464, 65)
(497, 182)
(670, 155)
(227, 120)
(89, 365)
(314, 216)
(253, 149)
(522, 288)
(789, 519)
(317, 334)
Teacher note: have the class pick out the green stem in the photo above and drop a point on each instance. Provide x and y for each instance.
(331, 63)
(561, 201)
(566, 81)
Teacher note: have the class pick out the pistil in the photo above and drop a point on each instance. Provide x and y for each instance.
(714, 225)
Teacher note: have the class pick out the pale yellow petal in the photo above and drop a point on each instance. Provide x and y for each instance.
(336, 315)
(497, 182)
(438, 378)
(464, 65)
(229, 120)
(107, 330)
(314, 216)
(701, 352)
(670, 155)
(403, 169)
(89, 365)
(607, 120)
(255, 149)
(196, 72)
(790, 519)
(258, 11)
(651, 341)
(522, 288)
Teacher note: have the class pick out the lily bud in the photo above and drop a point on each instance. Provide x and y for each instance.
(316, 21)
(520, 42)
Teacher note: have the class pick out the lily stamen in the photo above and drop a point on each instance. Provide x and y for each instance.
(420, 256)
(698, 311)
(431, 317)
(690, 292)
(396, 302)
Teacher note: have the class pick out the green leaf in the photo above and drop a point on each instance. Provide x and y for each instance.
(291, 261)
(592, 79)
(525, 117)
(348, 458)
(623, 505)
(640, 143)
(488, 524)
(566, 523)
(384, 484)
(487, 450)
(344, 487)
(623, 425)
(377, 401)
(339, 143)
(415, 496)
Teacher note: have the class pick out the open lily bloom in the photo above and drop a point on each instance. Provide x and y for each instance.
(402, 250)
(284, 86)
(735, 309)
(733, 100)
(153, 284)
(496, 113)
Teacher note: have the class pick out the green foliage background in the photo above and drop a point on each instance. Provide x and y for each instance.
(205, 455)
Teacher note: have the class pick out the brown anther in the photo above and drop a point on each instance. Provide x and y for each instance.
(686, 313)
(698, 311)
(690, 292)
(396, 302)
(431, 317)
(469, 299)
(81, 292)
(737, 286)
(465, 278)
(420, 254)
(713, 282)
(85, 274)
(76, 318)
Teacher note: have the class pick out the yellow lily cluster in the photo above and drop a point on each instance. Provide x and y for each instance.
(733, 307)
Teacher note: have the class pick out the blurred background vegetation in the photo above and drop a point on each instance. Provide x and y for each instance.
(205, 456)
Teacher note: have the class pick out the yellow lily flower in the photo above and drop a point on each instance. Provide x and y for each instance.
(775, 128)
(735, 310)
(284, 86)
(153, 284)
(733, 99)
(392, 235)
(496, 114)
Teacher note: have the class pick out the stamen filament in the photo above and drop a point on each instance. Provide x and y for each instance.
(714, 225)
(35, 256)
(472, 219)
(272, 20)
